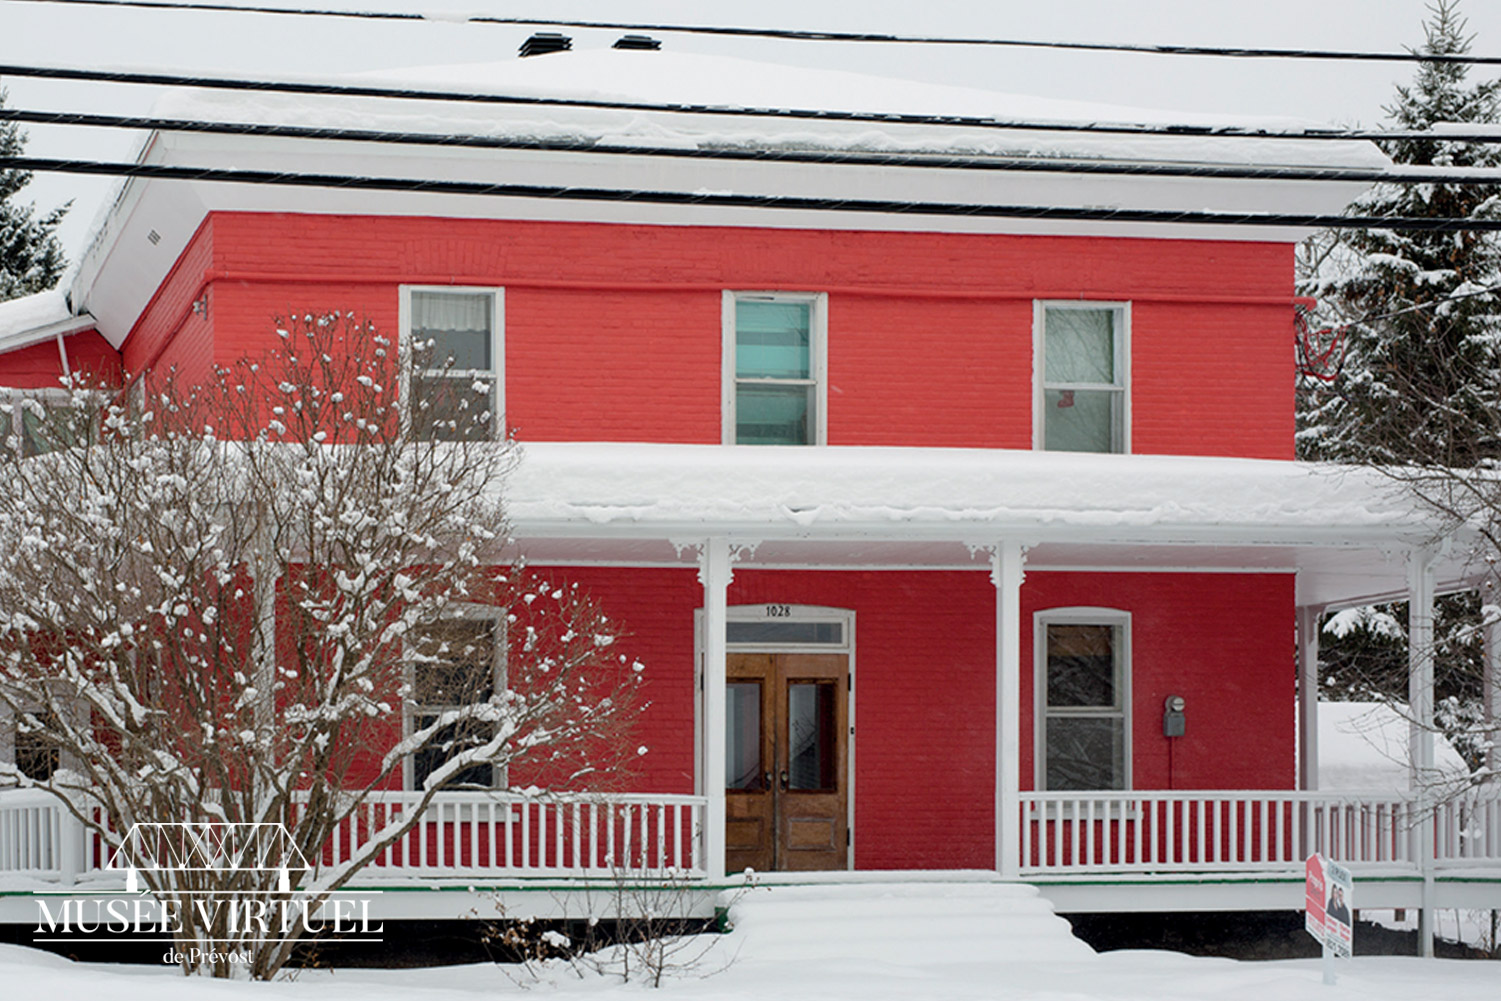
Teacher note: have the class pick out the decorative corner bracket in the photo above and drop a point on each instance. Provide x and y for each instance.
(994, 549)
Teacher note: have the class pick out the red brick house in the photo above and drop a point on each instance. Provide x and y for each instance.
(953, 542)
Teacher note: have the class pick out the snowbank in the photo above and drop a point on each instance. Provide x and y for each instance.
(842, 971)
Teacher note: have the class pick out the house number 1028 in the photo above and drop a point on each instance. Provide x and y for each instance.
(779, 611)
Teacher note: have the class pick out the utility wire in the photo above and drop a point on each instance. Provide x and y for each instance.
(814, 114)
(803, 35)
(979, 162)
(733, 200)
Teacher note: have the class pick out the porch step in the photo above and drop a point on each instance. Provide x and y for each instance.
(880, 922)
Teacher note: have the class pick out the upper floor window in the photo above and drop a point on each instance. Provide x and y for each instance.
(1083, 403)
(1082, 682)
(455, 336)
(774, 351)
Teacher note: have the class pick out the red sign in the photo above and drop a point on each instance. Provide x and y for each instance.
(1314, 896)
(1327, 905)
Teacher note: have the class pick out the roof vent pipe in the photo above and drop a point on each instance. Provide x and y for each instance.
(644, 43)
(544, 42)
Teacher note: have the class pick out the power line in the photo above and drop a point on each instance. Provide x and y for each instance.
(799, 114)
(977, 162)
(733, 200)
(804, 35)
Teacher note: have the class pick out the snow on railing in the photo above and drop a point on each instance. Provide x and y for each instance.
(1155, 831)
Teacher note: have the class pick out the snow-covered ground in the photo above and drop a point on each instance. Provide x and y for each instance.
(1363, 747)
(864, 943)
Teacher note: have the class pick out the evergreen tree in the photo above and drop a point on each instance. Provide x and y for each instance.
(31, 258)
(1421, 378)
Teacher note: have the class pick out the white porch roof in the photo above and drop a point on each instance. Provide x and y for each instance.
(1343, 530)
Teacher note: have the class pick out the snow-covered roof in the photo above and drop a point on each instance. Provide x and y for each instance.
(722, 82)
(1341, 530)
(116, 286)
(32, 319)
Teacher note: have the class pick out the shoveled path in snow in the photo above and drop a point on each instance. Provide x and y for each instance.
(873, 923)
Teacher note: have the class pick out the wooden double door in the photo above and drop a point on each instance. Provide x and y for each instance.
(787, 753)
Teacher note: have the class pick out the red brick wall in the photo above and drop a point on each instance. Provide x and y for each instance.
(168, 334)
(1222, 641)
(924, 708)
(925, 686)
(36, 367)
(613, 331)
(40, 366)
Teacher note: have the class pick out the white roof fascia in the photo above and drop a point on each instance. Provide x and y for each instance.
(140, 241)
(771, 177)
(37, 335)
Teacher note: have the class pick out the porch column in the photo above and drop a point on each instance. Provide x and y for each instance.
(1006, 560)
(1420, 728)
(1491, 688)
(715, 574)
(1308, 695)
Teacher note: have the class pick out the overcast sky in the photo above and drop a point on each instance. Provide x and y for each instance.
(254, 44)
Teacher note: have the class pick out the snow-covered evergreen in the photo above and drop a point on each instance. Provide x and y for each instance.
(1422, 372)
(31, 258)
(1420, 383)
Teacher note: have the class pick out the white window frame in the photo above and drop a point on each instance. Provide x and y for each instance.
(1040, 385)
(1079, 615)
(10, 424)
(411, 708)
(818, 358)
(10, 728)
(497, 296)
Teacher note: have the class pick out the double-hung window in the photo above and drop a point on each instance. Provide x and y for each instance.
(454, 664)
(1082, 684)
(455, 390)
(37, 421)
(36, 756)
(1082, 361)
(774, 356)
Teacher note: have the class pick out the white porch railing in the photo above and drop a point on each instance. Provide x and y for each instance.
(467, 835)
(462, 835)
(1158, 831)
(573, 835)
(31, 834)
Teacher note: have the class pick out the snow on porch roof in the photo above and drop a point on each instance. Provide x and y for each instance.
(32, 319)
(1342, 529)
(953, 491)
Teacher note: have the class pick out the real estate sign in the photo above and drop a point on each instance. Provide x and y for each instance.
(1329, 892)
